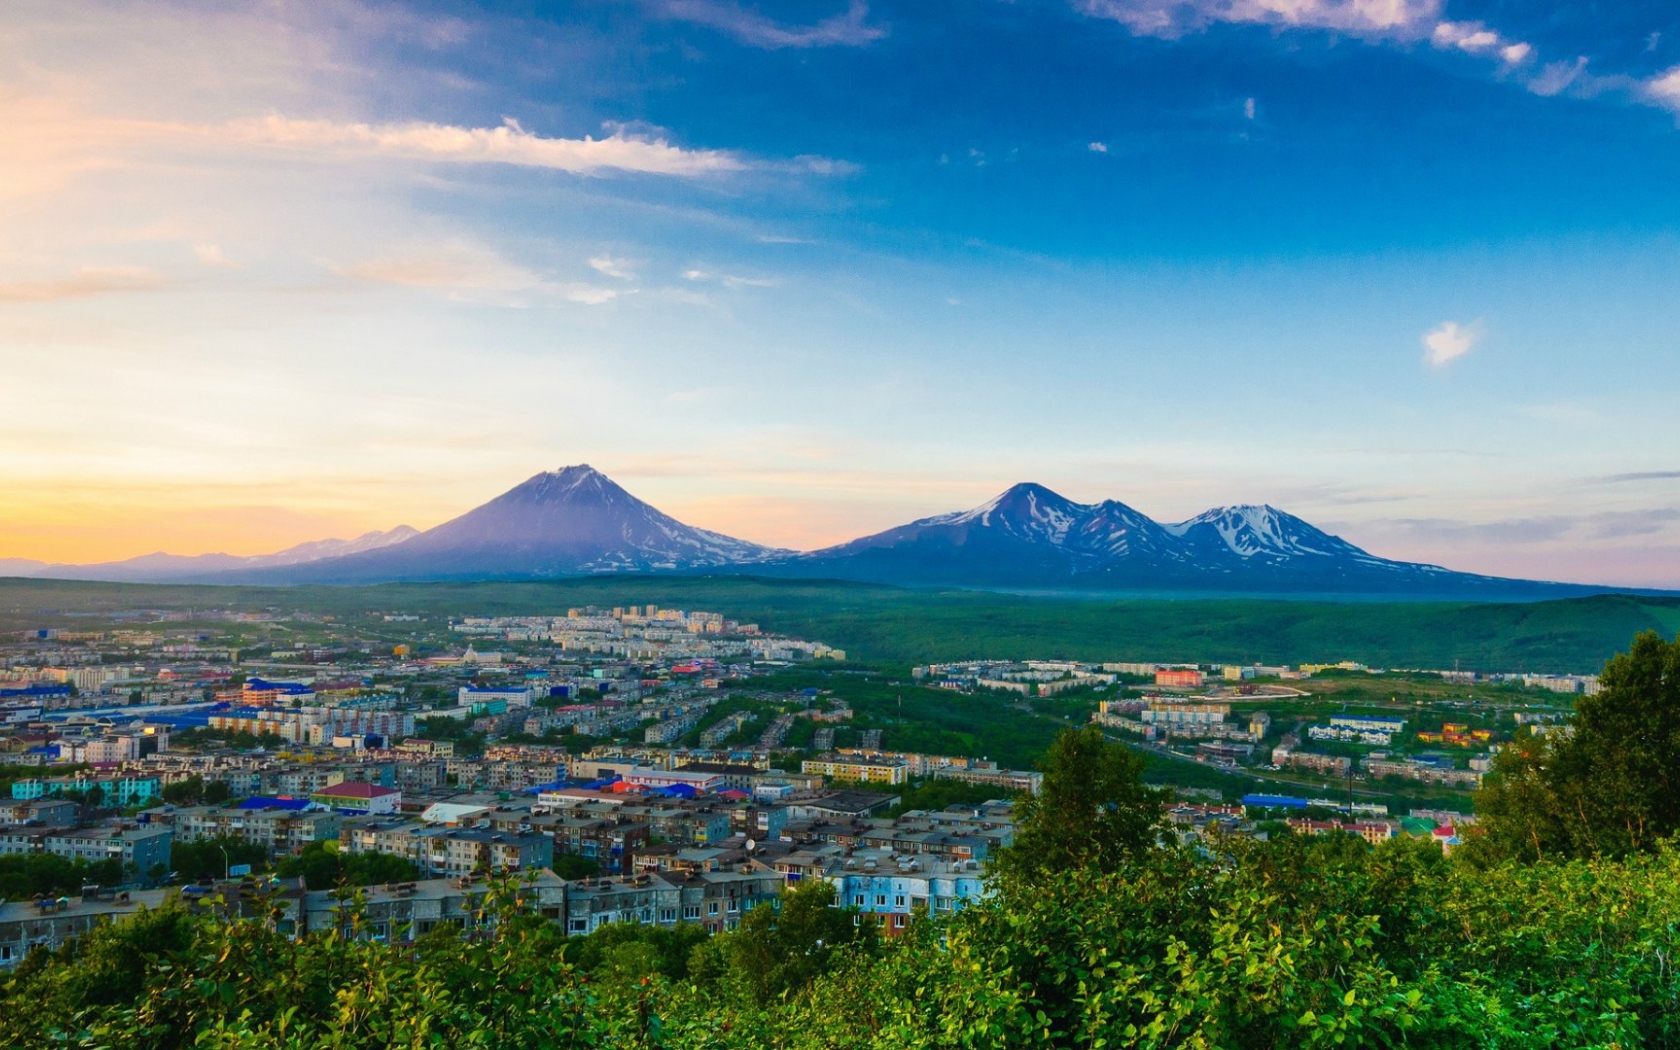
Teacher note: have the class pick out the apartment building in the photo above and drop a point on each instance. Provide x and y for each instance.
(858, 768)
(281, 826)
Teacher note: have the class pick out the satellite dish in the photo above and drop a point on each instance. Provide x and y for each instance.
(751, 845)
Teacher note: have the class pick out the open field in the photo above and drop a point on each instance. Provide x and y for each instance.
(896, 626)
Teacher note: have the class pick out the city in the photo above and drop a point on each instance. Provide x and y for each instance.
(644, 764)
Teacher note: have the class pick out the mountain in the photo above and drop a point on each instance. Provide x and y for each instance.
(168, 568)
(568, 522)
(1027, 536)
(577, 522)
(1031, 537)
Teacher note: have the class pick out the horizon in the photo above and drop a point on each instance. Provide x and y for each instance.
(802, 273)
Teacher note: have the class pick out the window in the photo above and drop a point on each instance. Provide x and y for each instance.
(880, 900)
(579, 925)
(858, 900)
(734, 906)
(898, 922)
(691, 911)
(898, 901)
(711, 908)
(667, 915)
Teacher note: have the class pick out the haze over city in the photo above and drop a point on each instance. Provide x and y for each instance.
(796, 273)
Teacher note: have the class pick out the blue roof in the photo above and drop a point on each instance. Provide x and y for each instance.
(38, 689)
(284, 687)
(1288, 801)
(267, 802)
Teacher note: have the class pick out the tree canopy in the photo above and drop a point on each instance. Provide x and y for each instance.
(1091, 811)
(1608, 784)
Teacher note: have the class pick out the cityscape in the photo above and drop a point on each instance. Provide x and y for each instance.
(651, 765)
(839, 525)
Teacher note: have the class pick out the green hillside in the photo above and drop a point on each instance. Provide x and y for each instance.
(891, 625)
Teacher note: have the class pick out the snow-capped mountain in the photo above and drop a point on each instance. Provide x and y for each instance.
(1030, 536)
(577, 522)
(568, 522)
(1026, 536)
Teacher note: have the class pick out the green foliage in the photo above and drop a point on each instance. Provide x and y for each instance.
(1303, 942)
(628, 951)
(1091, 812)
(1611, 786)
(239, 740)
(184, 792)
(11, 774)
(938, 793)
(779, 949)
(23, 875)
(572, 866)
(908, 626)
(206, 859)
(323, 867)
(468, 742)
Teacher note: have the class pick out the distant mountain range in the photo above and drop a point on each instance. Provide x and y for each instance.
(578, 522)
(171, 568)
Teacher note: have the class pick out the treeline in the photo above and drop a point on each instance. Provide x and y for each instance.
(1101, 932)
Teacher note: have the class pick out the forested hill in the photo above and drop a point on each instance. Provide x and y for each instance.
(886, 624)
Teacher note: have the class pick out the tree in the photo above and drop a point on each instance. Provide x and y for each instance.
(1611, 785)
(184, 792)
(217, 792)
(1091, 811)
(204, 858)
(323, 866)
(778, 950)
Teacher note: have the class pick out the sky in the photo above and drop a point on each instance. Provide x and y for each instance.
(1410, 269)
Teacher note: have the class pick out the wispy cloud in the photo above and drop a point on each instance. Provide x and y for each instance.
(89, 281)
(851, 29)
(212, 255)
(469, 272)
(1642, 475)
(1402, 22)
(1172, 18)
(1448, 341)
(507, 144)
(1557, 77)
(611, 267)
(1607, 525)
(729, 280)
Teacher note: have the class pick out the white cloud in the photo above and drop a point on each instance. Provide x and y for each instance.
(87, 282)
(507, 144)
(1248, 108)
(728, 280)
(1477, 39)
(749, 27)
(1171, 18)
(1098, 147)
(469, 272)
(212, 255)
(1448, 341)
(1665, 88)
(1559, 77)
(611, 267)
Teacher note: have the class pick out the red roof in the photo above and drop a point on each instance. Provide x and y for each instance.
(350, 789)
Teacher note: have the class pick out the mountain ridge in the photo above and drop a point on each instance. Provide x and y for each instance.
(576, 521)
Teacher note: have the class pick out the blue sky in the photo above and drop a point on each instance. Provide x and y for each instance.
(798, 272)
